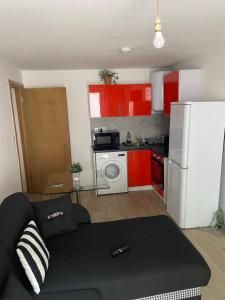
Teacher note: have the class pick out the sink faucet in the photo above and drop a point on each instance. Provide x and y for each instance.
(140, 140)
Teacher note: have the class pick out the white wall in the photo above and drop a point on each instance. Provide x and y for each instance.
(9, 165)
(76, 83)
(213, 74)
(212, 89)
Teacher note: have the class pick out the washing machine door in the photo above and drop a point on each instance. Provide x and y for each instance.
(112, 171)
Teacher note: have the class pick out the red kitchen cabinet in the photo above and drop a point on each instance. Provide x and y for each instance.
(114, 95)
(182, 85)
(137, 100)
(139, 168)
(120, 100)
(105, 100)
(171, 90)
(96, 99)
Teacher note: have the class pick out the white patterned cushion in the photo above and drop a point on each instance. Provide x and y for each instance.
(33, 255)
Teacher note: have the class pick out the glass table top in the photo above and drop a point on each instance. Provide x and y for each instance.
(65, 182)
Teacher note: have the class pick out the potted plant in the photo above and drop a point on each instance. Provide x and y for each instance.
(75, 169)
(108, 77)
(220, 219)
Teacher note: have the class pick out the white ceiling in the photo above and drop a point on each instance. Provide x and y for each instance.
(75, 34)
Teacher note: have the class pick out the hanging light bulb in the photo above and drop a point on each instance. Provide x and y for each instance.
(159, 40)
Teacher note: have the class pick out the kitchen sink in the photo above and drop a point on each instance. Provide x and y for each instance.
(134, 145)
(131, 145)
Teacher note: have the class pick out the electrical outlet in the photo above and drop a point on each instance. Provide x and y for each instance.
(102, 128)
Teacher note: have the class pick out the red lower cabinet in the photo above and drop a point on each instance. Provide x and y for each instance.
(139, 168)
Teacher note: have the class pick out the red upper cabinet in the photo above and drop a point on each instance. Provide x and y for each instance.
(171, 90)
(113, 100)
(97, 100)
(139, 168)
(137, 100)
(182, 85)
(105, 100)
(120, 100)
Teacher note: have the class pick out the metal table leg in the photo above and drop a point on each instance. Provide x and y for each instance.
(78, 196)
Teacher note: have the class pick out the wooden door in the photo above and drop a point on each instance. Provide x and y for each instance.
(46, 121)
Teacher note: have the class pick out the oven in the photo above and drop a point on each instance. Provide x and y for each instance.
(157, 162)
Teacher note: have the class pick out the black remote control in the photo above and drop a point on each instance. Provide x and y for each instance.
(118, 251)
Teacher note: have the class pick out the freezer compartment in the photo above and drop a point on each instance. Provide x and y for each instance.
(179, 134)
(176, 193)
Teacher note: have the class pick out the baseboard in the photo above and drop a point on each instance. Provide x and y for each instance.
(140, 188)
(158, 194)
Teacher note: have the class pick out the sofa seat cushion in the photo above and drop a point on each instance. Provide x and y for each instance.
(71, 295)
(14, 290)
(161, 259)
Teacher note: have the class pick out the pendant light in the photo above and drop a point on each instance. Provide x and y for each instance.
(159, 40)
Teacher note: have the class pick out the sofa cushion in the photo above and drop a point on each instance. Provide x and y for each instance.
(55, 216)
(81, 214)
(13, 290)
(71, 295)
(161, 259)
(34, 256)
(15, 213)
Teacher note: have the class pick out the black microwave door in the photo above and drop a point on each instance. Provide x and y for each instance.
(103, 140)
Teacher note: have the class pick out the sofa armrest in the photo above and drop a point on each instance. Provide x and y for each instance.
(82, 215)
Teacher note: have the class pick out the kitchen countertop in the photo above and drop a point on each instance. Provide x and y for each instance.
(156, 147)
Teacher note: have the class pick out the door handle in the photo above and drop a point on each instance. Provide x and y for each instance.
(66, 146)
(56, 186)
(121, 110)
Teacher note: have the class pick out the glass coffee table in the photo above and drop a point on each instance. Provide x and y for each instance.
(64, 182)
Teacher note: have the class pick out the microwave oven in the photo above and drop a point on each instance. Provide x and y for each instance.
(104, 140)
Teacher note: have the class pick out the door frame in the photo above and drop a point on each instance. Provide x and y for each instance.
(19, 91)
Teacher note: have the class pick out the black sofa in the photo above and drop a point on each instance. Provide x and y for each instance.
(160, 260)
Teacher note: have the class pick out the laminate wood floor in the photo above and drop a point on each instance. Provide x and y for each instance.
(209, 242)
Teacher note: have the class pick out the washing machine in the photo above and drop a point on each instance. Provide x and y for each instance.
(112, 166)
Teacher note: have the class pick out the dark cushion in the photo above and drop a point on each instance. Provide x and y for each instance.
(15, 213)
(14, 290)
(161, 259)
(55, 216)
(81, 213)
(71, 295)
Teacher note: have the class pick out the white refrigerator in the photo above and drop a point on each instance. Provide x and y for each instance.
(195, 161)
